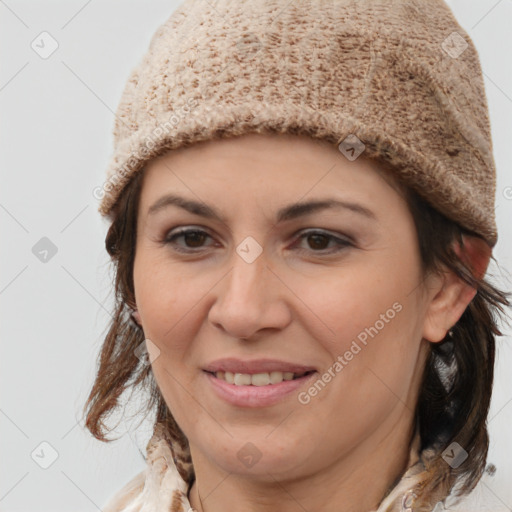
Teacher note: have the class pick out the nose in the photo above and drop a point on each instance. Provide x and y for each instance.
(251, 298)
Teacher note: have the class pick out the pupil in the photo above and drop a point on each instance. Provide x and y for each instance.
(316, 237)
(193, 235)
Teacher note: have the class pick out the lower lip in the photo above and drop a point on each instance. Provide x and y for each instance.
(256, 396)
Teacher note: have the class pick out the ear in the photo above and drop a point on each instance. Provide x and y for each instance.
(451, 295)
(136, 316)
(475, 253)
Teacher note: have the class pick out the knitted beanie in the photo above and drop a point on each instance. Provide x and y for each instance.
(396, 80)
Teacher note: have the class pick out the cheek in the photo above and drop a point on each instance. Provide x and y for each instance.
(170, 304)
(165, 297)
(368, 316)
(163, 291)
(344, 305)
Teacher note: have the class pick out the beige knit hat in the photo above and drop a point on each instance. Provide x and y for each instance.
(398, 80)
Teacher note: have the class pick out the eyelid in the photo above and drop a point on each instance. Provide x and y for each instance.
(341, 241)
(181, 231)
(194, 227)
(339, 236)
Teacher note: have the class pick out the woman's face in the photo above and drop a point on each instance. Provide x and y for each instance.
(271, 281)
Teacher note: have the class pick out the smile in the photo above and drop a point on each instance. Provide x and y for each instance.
(257, 389)
(258, 379)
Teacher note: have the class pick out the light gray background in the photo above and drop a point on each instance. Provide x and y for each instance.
(56, 121)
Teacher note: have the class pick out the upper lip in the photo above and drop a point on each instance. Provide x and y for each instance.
(234, 365)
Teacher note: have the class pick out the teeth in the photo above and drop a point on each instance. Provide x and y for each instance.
(242, 379)
(256, 379)
(276, 377)
(259, 379)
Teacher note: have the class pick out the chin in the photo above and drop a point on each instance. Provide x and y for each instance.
(257, 456)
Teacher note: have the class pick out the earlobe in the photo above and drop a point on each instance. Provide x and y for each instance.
(136, 316)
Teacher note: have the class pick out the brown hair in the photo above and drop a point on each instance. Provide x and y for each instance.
(455, 393)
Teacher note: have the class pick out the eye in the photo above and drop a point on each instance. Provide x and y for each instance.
(194, 237)
(318, 240)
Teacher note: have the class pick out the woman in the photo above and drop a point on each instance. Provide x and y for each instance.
(302, 209)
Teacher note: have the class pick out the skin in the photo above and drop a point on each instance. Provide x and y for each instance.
(296, 302)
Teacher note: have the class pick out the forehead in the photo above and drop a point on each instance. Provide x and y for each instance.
(282, 161)
(277, 178)
(264, 181)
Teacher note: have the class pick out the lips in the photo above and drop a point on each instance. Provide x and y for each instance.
(257, 382)
(263, 394)
(234, 365)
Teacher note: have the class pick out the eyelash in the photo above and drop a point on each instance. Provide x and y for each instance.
(342, 243)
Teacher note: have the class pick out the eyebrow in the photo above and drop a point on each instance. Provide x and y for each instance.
(289, 212)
